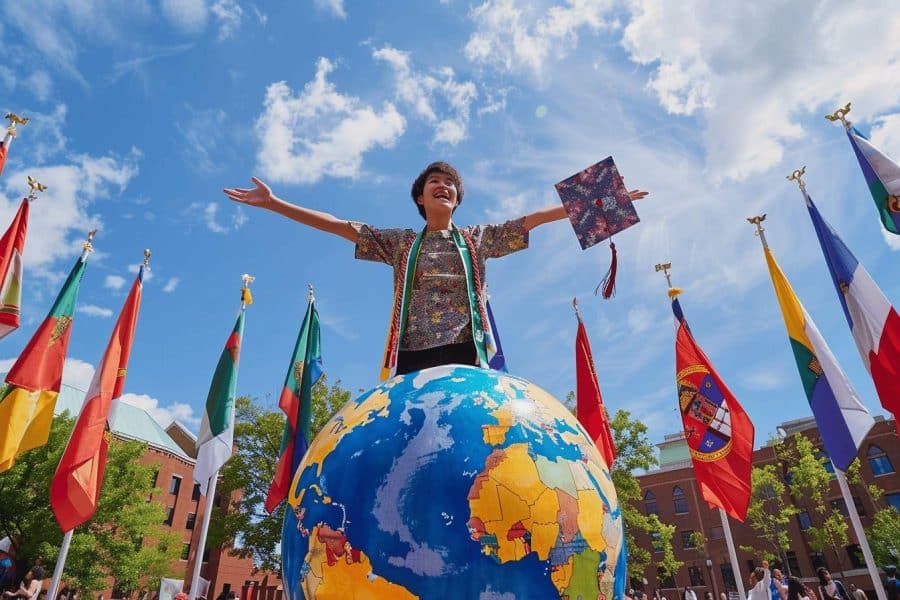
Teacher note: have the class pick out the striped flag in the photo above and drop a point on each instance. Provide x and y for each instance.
(75, 489)
(842, 419)
(589, 407)
(882, 176)
(718, 432)
(217, 429)
(27, 401)
(304, 371)
(12, 246)
(873, 320)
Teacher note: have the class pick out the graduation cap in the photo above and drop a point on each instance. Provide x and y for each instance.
(599, 206)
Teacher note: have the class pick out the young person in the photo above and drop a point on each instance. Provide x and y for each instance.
(30, 588)
(829, 588)
(796, 590)
(760, 580)
(439, 314)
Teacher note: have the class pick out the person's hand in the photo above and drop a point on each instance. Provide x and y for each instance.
(637, 194)
(260, 196)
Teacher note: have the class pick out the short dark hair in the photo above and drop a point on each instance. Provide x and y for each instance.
(418, 186)
(38, 572)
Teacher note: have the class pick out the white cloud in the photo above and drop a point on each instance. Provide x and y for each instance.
(171, 284)
(228, 15)
(885, 135)
(148, 273)
(320, 132)
(794, 62)
(44, 133)
(512, 35)
(92, 310)
(640, 318)
(78, 373)
(114, 282)
(40, 84)
(209, 214)
(891, 239)
(203, 132)
(164, 415)
(72, 189)
(422, 92)
(333, 7)
(187, 15)
(135, 66)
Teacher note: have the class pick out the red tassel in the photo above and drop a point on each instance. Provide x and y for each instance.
(609, 281)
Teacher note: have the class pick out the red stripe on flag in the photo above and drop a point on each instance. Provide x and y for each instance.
(281, 482)
(590, 403)
(75, 489)
(885, 366)
(12, 241)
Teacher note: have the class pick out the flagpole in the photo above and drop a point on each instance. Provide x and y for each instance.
(860, 533)
(204, 529)
(246, 298)
(61, 563)
(732, 555)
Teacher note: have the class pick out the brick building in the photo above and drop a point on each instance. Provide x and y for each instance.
(671, 492)
(171, 450)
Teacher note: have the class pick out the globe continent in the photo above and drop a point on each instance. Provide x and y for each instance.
(452, 482)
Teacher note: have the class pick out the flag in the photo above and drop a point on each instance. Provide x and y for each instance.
(4, 146)
(589, 407)
(27, 401)
(75, 489)
(842, 419)
(12, 245)
(217, 428)
(882, 176)
(498, 361)
(303, 372)
(718, 432)
(873, 321)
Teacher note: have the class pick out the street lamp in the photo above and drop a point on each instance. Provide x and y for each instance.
(712, 580)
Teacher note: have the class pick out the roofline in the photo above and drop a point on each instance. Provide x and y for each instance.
(150, 444)
(183, 428)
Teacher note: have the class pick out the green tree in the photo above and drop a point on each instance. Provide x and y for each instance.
(634, 453)
(884, 532)
(125, 540)
(811, 482)
(768, 514)
(245, 479)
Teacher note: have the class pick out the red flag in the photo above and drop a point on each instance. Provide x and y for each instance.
(75, 489)
(12, 246)
(589, 409)
(718, 432)
(4, 148)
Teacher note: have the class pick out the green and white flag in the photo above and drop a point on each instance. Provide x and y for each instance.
(217, 430)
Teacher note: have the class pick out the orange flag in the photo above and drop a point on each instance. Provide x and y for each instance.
(589, 409)
(75, 490)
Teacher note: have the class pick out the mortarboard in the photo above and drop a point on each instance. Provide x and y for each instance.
(599, 206)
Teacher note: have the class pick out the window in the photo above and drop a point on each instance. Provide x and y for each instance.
(664, 582)
(826, 461)
(716, 533)
(841, 506)
(818, 560)
(191, 520)
(856, 556)
(175, 485)
(767, 492)
(879, 461)
(687, 539)
(793, 563)
(654, 541)
(681, 505)
(728, 577)
(195, 495)
(696, 576)
(803, 520)
(185, 551)
(206, 555)
(893, 500)
(650, 504)
(170, 516)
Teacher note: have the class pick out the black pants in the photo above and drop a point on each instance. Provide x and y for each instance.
(462, 353)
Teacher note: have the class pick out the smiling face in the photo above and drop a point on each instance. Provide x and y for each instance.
(439, 196)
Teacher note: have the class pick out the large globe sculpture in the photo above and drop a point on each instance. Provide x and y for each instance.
(452, 482)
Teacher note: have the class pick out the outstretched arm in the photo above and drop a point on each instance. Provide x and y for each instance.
(556, 213)
(262, 197)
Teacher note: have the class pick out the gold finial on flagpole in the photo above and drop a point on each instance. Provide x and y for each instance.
(35, 186)
(760, 230)
(840, 115)
(575, 307)
(147, 258)
(246, 296)
(88, 245)
(310, 295)
(664, 267)
(797, 175)
(14, 120)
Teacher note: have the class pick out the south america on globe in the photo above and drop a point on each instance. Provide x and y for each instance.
(452, 482)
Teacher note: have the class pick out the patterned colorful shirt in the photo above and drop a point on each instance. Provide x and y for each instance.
(438, 311)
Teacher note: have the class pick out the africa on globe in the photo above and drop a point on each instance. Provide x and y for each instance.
(454, 482)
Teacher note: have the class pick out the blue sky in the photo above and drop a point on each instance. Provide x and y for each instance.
(142, 111)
